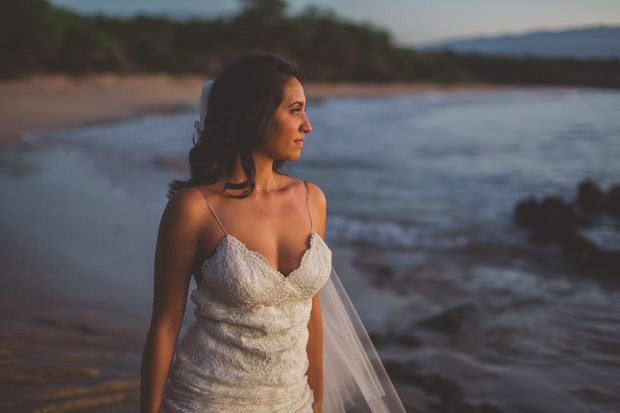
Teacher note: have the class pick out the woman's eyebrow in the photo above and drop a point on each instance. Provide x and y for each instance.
(297, 102)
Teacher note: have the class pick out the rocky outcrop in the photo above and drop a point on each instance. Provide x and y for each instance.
(435, 393)
(450, 320)
(554, 221)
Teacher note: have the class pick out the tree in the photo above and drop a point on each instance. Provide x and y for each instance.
(262, 12)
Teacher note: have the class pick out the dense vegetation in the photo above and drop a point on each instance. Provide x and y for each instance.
(36, 37)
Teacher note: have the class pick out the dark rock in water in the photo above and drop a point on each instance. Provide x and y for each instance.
(446, 389)
(408, 339)
(590, 198)
(406, 372)
(577, 248)
(587, 256)
(556, 221)
(465, 408)
(451, 320)
(603, 261)
(526, 213)
(489, 408)
(445, 394)
(378, 339)
(612, 201)
(552, 219)
(382, 271)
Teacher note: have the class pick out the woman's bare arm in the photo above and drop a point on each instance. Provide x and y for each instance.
(175, 254)
(315, 325)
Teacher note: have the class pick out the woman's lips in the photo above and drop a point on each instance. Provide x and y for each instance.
(300, 142)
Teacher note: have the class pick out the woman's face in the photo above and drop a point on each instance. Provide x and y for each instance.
(290, 124)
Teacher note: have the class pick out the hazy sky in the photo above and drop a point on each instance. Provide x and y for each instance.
(412, 22)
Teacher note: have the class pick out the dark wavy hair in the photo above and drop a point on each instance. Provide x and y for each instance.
(242, 103)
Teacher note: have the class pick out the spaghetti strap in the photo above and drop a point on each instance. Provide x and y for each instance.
(212, 211)
(308, 203)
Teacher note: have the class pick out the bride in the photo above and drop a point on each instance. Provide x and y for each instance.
(274, 330)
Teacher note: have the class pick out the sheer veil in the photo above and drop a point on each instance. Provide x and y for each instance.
(354, 378)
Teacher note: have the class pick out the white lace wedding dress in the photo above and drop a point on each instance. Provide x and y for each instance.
(246, 350)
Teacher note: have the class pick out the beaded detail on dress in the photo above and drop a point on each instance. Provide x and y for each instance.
(246, 350)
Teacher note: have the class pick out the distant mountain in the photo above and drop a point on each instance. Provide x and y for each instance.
(584, 43)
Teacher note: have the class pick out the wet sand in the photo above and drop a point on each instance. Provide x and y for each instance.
(52, 101)
(59, 357)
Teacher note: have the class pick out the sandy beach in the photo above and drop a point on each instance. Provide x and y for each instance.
(52, 101)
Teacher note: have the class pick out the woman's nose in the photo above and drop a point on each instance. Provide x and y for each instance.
(306, 127)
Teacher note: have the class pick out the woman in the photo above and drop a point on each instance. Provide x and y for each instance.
(253, 238)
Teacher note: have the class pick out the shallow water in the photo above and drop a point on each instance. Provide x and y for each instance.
(420, 194)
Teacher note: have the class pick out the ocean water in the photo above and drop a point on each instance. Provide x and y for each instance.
(420, 192)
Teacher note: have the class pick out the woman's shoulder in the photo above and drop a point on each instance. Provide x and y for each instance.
(186, 197)
(316, 197)
(186, 203)
(318, 205)
(315, 193)
(183, 216)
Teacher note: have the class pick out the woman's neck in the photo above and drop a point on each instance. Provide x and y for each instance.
(265, 179)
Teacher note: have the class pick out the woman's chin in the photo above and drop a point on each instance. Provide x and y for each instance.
(291, 157)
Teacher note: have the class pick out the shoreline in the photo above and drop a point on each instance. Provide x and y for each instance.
(78, 251)
(55, 101)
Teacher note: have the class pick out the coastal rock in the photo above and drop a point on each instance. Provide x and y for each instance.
(441, 394)
(381, 271)
(557, 221)
(590, 198)
(612, 201)
(451, 320)
(589, 257)
(526, 213)
(554, 221)
(379, 339)
(408, 339)
(489, 408)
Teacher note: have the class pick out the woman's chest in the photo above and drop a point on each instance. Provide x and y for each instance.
(242, 277)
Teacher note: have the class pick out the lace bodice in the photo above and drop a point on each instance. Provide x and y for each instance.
(249, 280)
(246, 350)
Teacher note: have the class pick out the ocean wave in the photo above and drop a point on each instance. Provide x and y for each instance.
(390, 234)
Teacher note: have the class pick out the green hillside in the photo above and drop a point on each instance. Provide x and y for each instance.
(37, 37)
